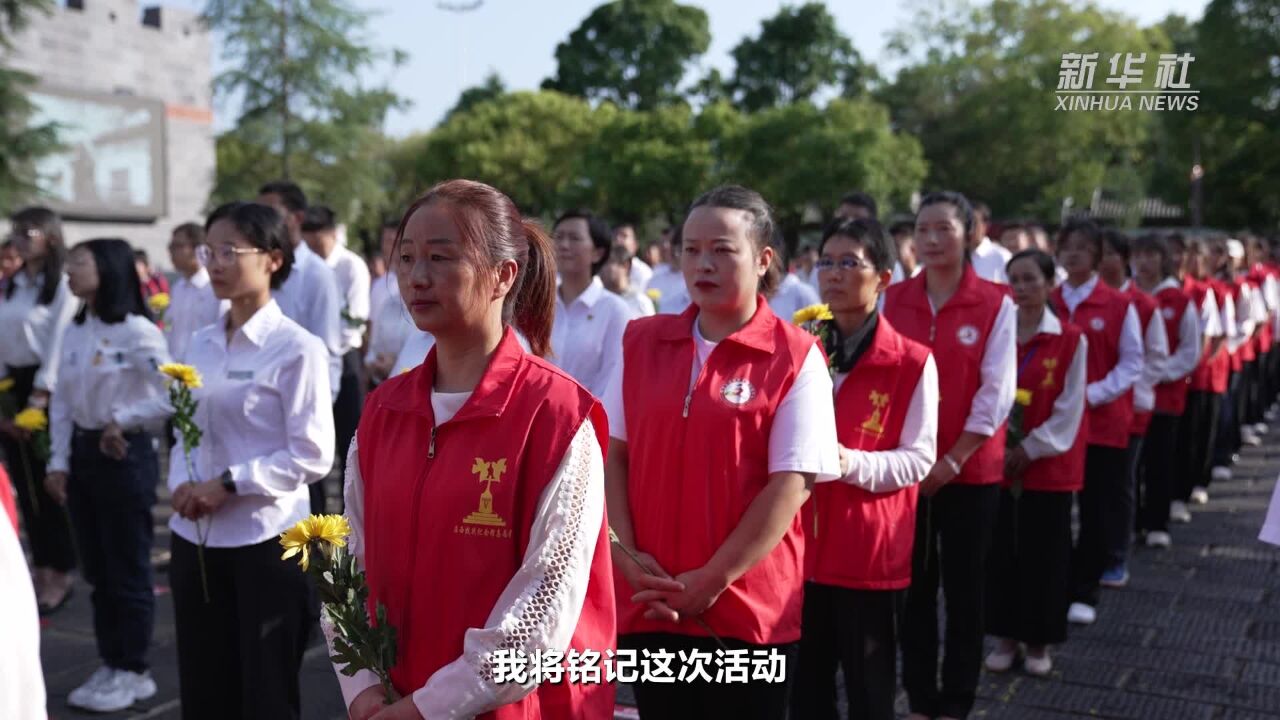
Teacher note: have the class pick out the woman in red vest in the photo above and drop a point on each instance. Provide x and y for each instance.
(859, 530)
(720, 419)
(1111, 324)
(1198, 432)
(1028, 579)
(969, 325)
(475, 486)
(1263, 276)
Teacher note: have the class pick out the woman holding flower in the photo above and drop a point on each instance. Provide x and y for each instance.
(720, 421)
(1027, 585)
(104, 466)
(860, 529)
(264, 430)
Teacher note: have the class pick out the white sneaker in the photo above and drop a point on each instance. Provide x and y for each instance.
(116, 693)
(1081, 614)
(1038, 666)
(1221, 473)
(1158, 539)
(1000, 660)
(79, 695)
(1249, 437)
(1260, 428)
(1199, 495)
(144, 688)
(1178, 512)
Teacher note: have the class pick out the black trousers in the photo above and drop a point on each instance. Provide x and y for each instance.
(1197, 441)
(1101, 518)
(755, 700)
(953, 538)
(1155, 474)
(110, 503)
(1120, 537)
(853, 630)
(239, 654)
(48, 531)
(346, 417)
(1027, 578)
(1228, 438)
(1251, 399)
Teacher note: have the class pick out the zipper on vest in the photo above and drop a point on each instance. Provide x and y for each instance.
(687, 399)
(431, 446)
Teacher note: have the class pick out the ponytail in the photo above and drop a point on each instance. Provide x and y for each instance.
(533, 310)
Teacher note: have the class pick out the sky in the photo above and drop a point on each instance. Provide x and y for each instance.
(450, 51)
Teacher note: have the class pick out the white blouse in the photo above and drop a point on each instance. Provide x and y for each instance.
(458, 690)
(673, 294)
(192, 305)
(22, 693)
(310, 297)
(30, 333)
(885, 471)
(352, 274)
(586, 336)
(109, 373)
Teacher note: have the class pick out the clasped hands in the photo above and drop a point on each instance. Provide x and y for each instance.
(672, 599)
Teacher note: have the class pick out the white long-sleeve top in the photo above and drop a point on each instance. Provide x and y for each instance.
(888, 470)
(1058, 433)
(1155, 360)
(792, 294)
(1210, 316)
(1121, 378)
(1184, 358)
(458, 690)
(352, 274)
(108, 374)
(22, 693)
(586, 335)
(673, 294)
(267, 416)
(310, 297)
(1231, 328)
(989, 260)
(192, 305)
(30, 333)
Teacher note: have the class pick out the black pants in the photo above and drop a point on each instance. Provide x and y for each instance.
(1228, 437)
(700, 700)
(346, 417)
(1027, 578)
(1101, 518)
(1155, 474)
(953, 538)
(853, 630)
(1120, 537)
(1251, 397)
(48, 532)
(239, 654)
(1197, 442)
(110, 503)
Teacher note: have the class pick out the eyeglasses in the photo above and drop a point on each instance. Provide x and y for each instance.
(223, 254)
(846, 264)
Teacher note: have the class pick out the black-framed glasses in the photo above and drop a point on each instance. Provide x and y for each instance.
(223, 254)
(846, 264)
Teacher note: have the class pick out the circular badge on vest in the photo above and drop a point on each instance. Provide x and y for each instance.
(1167, 313)
(737, 392)
(967, 335)
(1097, 324)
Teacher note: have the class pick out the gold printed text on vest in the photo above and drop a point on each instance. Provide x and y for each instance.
(874, 424)
(487, 472)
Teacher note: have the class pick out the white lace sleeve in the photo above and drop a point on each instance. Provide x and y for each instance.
(540, 606)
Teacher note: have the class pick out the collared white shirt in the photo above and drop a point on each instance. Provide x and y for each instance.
(544, 598)
(673, 294)
(352, 275)
(30, 333)
(380, 289)
(1058, 432)
(586, 336)
(310, 298)
(1210, 316)
(641, 273)
(792, 295)
(1155, 359)
(803, 437)
(889, 470)
(109, 373)
(989, 260)
(998, 373)
(640, 303)
(192, 305)
(22, 691)
(267, 416)
(1128, 369)
(392, 326)
(1184, 358)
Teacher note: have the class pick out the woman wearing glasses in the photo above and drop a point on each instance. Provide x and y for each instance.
(35, 313)
(267, 424)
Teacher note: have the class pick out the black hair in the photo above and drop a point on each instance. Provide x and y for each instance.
(191, 232)
(319, 218)
(1152, 243)
(902, 227)
(677, 237)
(1091, 232)
(1119, 242)
(1042, 260)
(881, 249)
(289, 192)
(1175, 240)
(857, 198)
(620, 255)
(981, 208)
(47, 223)
(119, 293)
(391, 223)
(737, 197)
(956, 200)
(262, 227)
(599, 230)
(141, 254)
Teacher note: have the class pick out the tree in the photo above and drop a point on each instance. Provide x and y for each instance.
(491, 88)
(21, 144)
(798, 52)
(632, 53)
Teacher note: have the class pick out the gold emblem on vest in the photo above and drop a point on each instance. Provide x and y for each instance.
(489, 473)
(1050, 365)
(873, 424)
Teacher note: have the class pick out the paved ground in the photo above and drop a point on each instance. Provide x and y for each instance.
(1196, 635)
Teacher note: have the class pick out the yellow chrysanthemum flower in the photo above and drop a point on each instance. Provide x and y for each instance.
(812, 313)
(654, 294)
(331, 529)
(32, 420)
(1023, 397)
(158, 302)
(6, 384)
(185, 374)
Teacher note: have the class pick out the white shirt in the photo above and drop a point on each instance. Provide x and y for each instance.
(267, 416)
(310, 298)
(379, 290)
(998, 373)
(109, 373)
(31, 334)
(1210, 317)
(392, 326)
(1128, 369)
(888, 470)
(543, 599)
(1184, 358)
(640, 274)
(352, 274)
(989, 260)
(1270, 527)
(586, 336)
(192, 305)
(1155, 359)
(792, 294)
(22, 693)
(803, 437)
(1058, 432)
(640, 303)
(673, 293)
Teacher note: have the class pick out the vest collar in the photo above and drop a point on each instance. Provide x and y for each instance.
(758, 333)
(966, 293)
(490, 397)
(886, 346)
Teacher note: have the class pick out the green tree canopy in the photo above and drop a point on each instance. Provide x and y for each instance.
(491, 88)
(21, 144)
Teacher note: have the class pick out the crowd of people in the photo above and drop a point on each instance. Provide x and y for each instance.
(553, 440)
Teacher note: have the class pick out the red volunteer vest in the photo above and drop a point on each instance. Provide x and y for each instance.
(1146, 307)
(1211, 374)
(1228, 293)
(1042, 371)
(854, 538)
(957, 336)
(698, 458)
(1171, 397)
(449, 510)
(1265, 335)
(1249, 349)
(6, 499)
(1101, 317)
